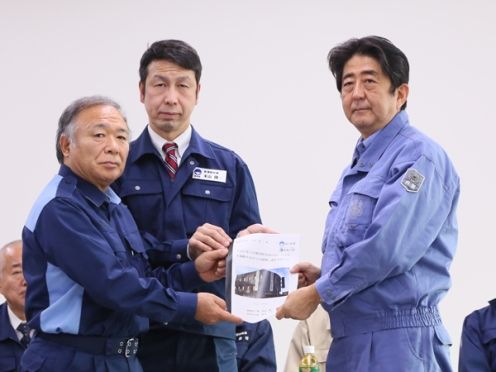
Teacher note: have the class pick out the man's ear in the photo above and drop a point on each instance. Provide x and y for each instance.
(141, 87)
(65, 144)
(402, 91)
(198, 91)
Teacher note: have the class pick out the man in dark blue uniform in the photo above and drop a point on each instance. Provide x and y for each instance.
(478, 346)
(91, 290)
(188, 193)
(14, 336)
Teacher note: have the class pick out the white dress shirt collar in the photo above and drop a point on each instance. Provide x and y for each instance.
(182, 142)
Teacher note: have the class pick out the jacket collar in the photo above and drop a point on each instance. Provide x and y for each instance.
(88, 190)
(143, 146)
(381, 140)
(6, 332)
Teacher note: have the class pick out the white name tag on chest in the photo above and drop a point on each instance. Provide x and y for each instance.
(216, 175)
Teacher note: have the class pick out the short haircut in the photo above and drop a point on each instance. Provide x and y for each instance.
(2, 253)
(175, 51)
(392, 60)
(66, 120)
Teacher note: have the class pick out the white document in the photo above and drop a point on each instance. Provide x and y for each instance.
(258, 274)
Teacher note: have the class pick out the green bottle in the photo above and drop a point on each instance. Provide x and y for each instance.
(309, 362)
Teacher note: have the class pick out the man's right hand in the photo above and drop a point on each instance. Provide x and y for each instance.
(307, 273)
(207, 237)
(211, 309)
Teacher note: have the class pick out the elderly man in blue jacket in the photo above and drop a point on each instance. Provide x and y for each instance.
(91, 291)
(14, 332)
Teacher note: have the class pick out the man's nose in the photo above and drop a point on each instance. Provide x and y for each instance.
(358, 91)
(171, 96)
(112, 145)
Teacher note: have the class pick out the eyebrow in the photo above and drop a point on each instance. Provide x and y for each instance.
(179, 78)
(361, 73)
(105, 126)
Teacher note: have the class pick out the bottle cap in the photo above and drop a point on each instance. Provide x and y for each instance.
(308, 349)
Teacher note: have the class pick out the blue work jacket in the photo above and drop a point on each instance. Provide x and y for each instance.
(390, 235)
(10, 348)
(255, 345)
(169, 211)
(86, 267)
(478, 346)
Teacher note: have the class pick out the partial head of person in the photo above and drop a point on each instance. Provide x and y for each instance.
(93, 140)
(12, 283)
(372, 76)
(170, 72)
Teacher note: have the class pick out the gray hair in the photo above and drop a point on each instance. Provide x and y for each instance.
(66, 122)
(3, 250)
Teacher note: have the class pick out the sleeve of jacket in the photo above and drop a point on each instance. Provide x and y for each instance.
(472, 354)
(73, 243)
(403, 225)
(245, 210)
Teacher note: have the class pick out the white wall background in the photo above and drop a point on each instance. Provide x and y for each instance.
(265, 89)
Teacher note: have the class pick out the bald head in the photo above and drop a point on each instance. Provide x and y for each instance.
(12, 283)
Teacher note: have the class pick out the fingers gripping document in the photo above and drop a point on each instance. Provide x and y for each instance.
(257, 277)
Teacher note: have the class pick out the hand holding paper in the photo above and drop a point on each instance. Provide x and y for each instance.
(300, 304)
(258, 278)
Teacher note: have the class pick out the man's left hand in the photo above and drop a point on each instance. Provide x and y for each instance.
(299, 304)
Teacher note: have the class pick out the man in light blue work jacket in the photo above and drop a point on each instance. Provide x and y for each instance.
(391, 232)
(478, 346)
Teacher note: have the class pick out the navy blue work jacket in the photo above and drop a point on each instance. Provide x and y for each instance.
(87, 270)
(255, 345)
(478, 346)
(170, 211)
(10, 348)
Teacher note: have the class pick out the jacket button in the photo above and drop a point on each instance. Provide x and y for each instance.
(137, 187)
(207, 192)
(178, 256)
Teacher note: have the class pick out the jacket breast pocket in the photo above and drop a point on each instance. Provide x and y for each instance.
(142, 197)
(207, 203)
(360, 207)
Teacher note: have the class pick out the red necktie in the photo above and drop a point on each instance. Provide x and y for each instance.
(170, 158)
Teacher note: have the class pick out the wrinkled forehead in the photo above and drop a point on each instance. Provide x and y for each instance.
(102, 116)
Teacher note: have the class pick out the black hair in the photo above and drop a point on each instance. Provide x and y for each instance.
(175, 51)
(392, 60)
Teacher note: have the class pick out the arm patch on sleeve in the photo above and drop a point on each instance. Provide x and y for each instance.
(412, 180)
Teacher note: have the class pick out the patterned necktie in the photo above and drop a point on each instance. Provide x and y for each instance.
(25, 330)
(170, 159)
